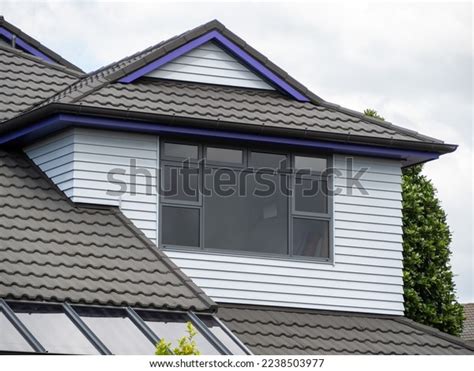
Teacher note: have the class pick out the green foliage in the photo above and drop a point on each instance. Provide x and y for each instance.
(429, 290)
(186, 345)
(373, 113)
(428, 281)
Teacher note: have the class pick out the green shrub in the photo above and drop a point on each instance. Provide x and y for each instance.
(186, 345)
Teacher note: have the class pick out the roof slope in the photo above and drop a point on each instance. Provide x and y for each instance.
(210, 104)
(271, 331)
(37, 45)
(53, 250)
(26, 80)
(468, 331)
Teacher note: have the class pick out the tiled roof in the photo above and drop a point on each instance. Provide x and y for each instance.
(273, 330)
(101, 90)
(26, 80)
(53, 250)
(468, 331)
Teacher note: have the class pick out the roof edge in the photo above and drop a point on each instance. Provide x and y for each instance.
(434, 332)
(56, 58)
(206, 300)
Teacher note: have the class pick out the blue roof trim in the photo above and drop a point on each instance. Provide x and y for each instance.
(61, 121)
(228, 45)
(24, 45)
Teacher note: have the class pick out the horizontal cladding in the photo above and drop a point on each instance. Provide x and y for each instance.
(367, 272)
(212, 65)
(366, 275)
(79, 160)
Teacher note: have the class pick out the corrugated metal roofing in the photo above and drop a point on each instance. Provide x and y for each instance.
(468, 331)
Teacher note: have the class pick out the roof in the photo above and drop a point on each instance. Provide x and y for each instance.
(468, 330)
(271, 330)
(53, 250)
(37, 46)
(28, 80)
(269, 111)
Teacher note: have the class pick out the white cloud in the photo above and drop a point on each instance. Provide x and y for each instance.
(412, 62)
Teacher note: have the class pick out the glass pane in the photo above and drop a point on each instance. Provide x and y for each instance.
(10, 338)
(250, 215)
(311, 238)
(184, 151)
(260, 160)
(54, 330)
(180, 183)
(118, 333)
(180, 226)
(172, 327)
(234, 156)
(311, 195)
(218, 332)
(310, 163)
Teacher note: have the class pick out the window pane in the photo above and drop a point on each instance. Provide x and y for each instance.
(218, 332)
(10, 338)
(117, 331)
(184, 151)
(311, 238)
(310, 163)
(260, 160)
(234, 156)
(180, 183)
(255, 220)
(54, 330)
(311, 195)
(180, 226)
(172, 327)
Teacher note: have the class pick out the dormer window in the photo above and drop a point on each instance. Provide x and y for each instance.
(245, 200)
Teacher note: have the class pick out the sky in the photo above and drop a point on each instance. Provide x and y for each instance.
(412, 62)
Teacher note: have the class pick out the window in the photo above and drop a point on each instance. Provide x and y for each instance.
(246, 200)
(53, 329)
(221, 334)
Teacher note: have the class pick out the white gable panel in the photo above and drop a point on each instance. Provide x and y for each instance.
(210, 64)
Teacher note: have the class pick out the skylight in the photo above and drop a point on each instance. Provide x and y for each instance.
(69, 329)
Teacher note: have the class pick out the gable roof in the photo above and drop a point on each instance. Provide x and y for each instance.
(468, 330)
(32, 46)
(205, 106)
(53, 250)
(28, 80)
(272, 330)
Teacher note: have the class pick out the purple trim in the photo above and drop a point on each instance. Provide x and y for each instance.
(61, 121)
(233, 48)
(24, 45)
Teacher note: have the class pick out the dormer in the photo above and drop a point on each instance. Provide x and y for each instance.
(207, 103)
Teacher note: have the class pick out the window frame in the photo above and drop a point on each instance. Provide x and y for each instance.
(290, 173)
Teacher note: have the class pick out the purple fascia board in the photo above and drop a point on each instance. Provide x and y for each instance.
(232, 47)
(24, 45)
(61, 121)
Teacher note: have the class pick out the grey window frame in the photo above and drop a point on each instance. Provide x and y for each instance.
(289, 172)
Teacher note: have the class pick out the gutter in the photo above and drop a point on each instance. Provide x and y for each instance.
(41, 113)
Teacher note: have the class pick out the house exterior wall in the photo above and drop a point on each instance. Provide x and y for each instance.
(364, 276)
(212, 65)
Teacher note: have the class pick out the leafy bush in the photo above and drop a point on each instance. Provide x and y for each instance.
(186, 345)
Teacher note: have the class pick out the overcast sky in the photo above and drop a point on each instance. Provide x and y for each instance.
(411, 62)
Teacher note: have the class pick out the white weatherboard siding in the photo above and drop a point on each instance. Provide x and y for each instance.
(78, 161)
(210, 64)
(366, 275)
